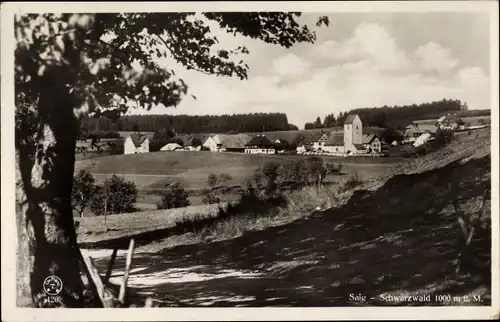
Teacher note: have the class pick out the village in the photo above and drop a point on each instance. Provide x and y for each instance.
(354, 139)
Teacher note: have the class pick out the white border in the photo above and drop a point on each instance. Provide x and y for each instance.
(11, 313)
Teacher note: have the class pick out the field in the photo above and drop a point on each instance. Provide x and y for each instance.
(152, 172)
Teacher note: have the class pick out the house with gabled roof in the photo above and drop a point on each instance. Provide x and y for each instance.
(281, 145)
(450, 122)
(309, 142)
(195, 142)
(320, 141)
(335, 143)
(260, 144)
(372, 143)
(136, 143)
(227, 142)
(414, 130)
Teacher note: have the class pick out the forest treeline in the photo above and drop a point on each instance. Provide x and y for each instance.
(398, 117)
(395, 117)
(187, 124)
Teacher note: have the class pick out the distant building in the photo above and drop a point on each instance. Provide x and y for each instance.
(353, 134)
(281, 145)
(335, 143)
(172, 147)
(227, 142)
(346, 140)
(422, 139)
(136, 143)
(450, 122)
(260, 145)
(320, 140)
(194, 143)
(372, 143)
(413, 131)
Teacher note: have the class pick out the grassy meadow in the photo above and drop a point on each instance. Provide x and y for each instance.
(152, 172)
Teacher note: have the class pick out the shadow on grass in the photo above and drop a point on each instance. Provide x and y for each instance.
(400, 239)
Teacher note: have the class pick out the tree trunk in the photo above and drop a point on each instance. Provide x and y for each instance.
(50, 246)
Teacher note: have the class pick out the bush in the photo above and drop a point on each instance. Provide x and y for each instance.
(156, 144)
(212, 180)
(115, 196)
(209, 197)
(442, 138)
(174, 197)
(225, 177)
(83, 188)
(352, 182)
(332, 169)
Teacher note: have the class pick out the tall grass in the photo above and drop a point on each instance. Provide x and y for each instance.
(252, 212)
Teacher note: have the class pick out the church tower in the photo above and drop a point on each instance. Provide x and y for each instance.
(353, 133)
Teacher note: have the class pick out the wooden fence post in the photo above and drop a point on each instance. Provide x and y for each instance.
(110, 266)
(123, 287)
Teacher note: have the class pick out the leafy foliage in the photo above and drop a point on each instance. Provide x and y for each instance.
(332, 169)
(115, 196)
(442, 137)
(352, 182)
(174, 197)
(224, 178)
(94, 54)
(83, 188)
(389, 135)
(209, 197)
(212, 180)
(272, 179)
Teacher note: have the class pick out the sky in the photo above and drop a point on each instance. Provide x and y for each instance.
(360, 60)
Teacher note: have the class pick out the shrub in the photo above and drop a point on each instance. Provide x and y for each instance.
(225, 177)
(212, 180)
(115, 196)
(352, 182)
(442, 138)
(332, 169)
(174, 197)
(209, 197)
(157, 144)
(83, 187)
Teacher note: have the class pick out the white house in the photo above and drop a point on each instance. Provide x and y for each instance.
(260, 145)
(136, 143)
(414, 130)
(227, 142)
(334, 143)
(210, 144)
(320, 142)
(422, 139)
(372, 143)
(353, 134)
(450, 122)
(172, 147)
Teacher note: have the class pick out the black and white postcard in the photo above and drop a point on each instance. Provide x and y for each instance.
(249, 161)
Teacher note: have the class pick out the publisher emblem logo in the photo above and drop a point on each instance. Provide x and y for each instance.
(52, 285)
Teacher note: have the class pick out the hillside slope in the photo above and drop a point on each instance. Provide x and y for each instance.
(397, 236)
